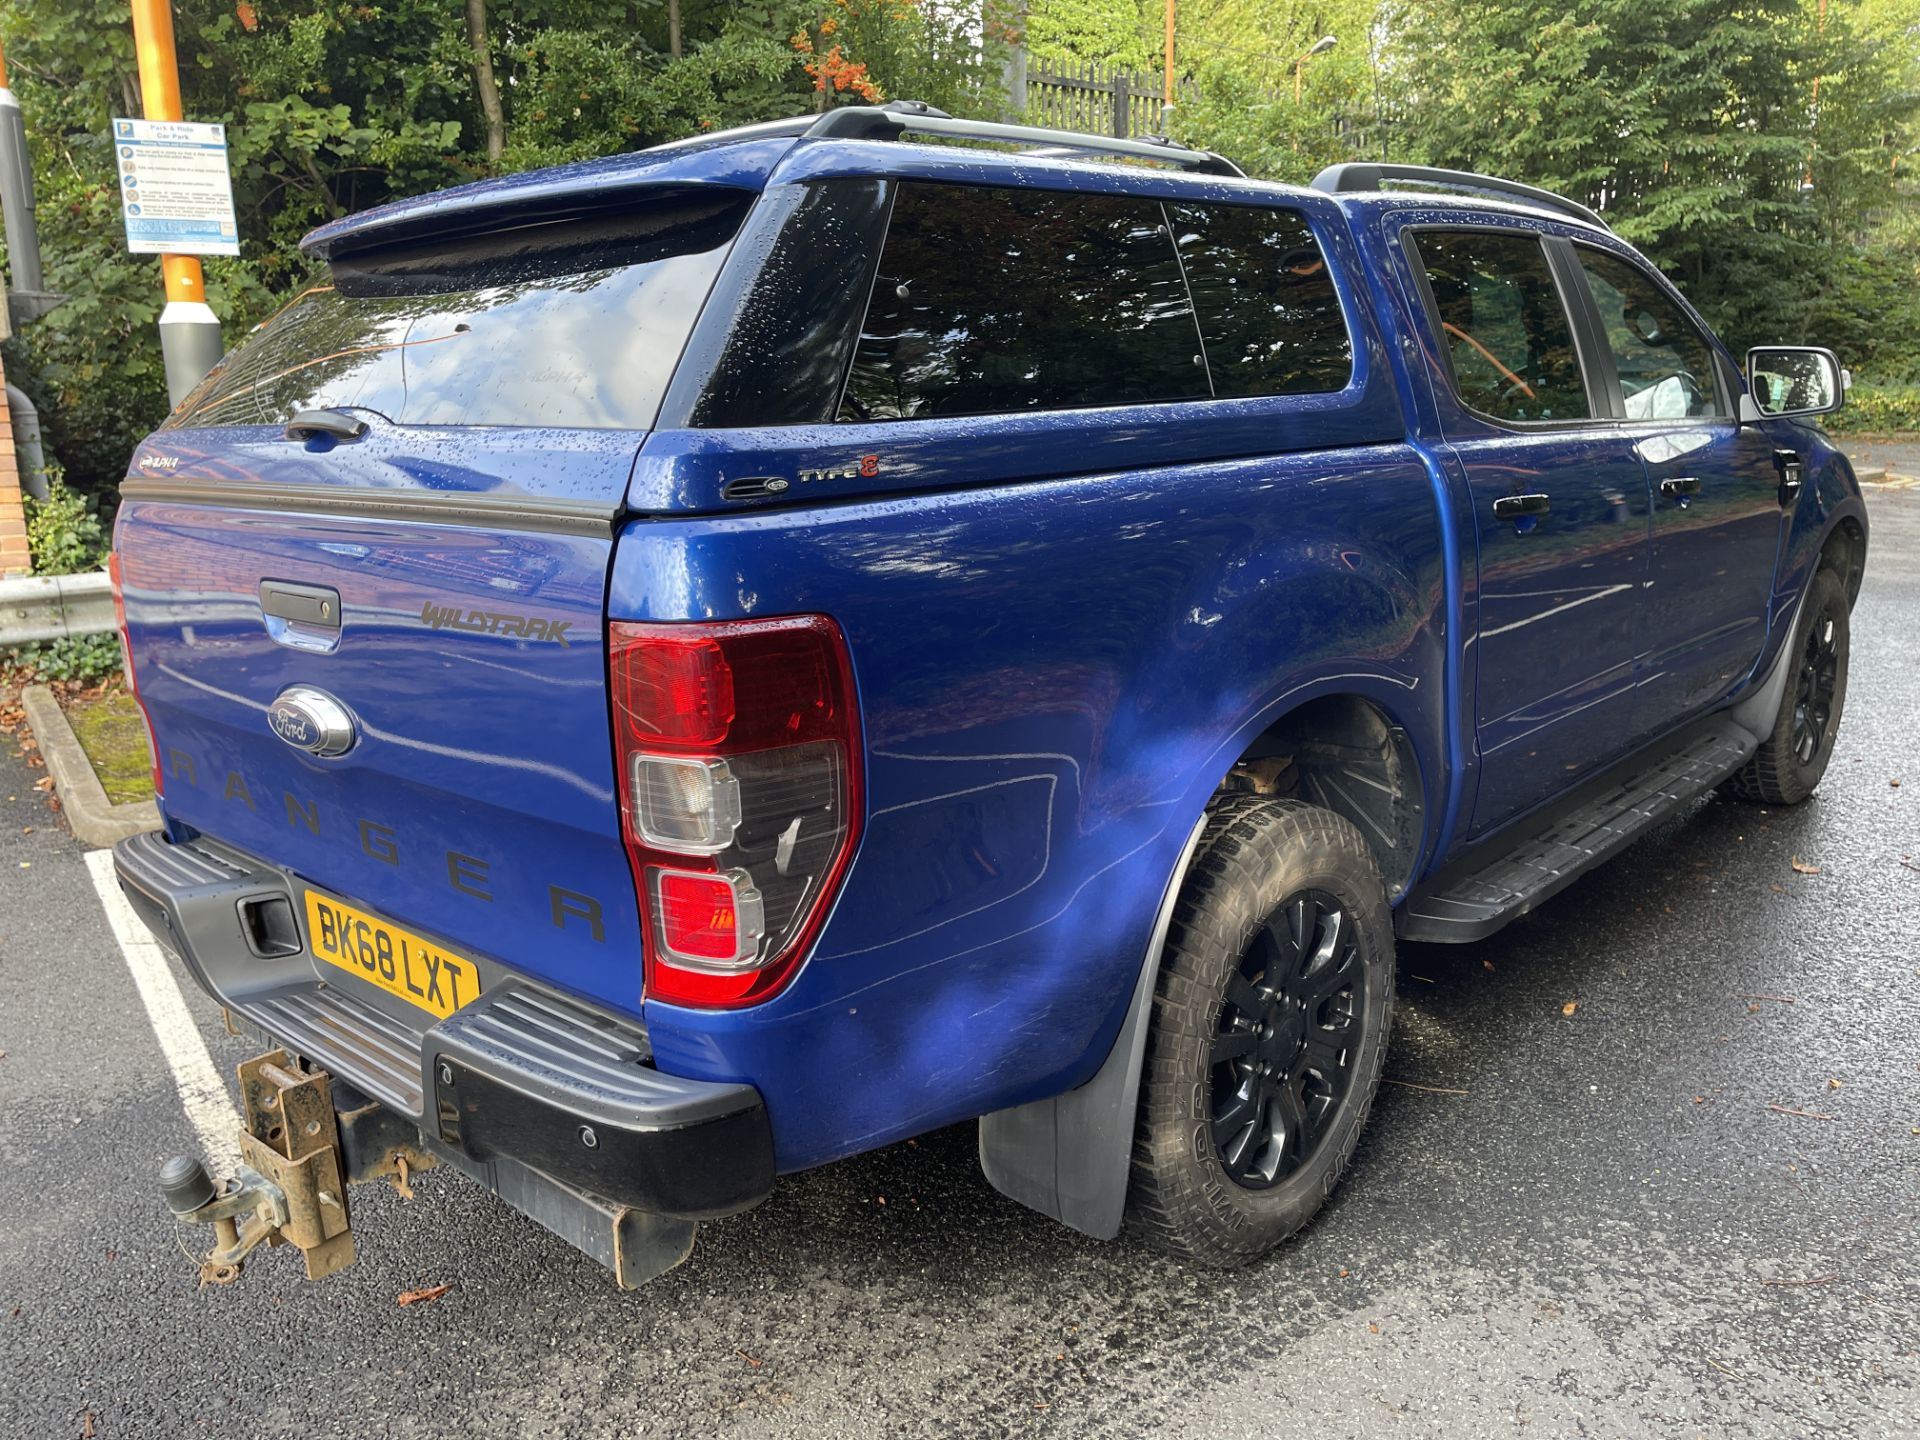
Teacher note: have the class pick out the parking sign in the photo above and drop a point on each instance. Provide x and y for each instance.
(175, 191)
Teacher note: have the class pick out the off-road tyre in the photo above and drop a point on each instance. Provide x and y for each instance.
(1791, 760)
(1255, 858)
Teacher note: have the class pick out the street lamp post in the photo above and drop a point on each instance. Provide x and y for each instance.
(1319, 47)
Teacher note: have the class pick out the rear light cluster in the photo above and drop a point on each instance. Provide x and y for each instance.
(739, 795)
(126, 664)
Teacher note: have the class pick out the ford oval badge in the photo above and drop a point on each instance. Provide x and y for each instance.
(312, 720)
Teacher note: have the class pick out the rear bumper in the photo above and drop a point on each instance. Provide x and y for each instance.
(519, 1079)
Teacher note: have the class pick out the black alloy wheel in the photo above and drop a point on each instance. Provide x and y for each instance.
(1271, 1013)
(1792, 758)
(1819, 677)
(1287, 1035)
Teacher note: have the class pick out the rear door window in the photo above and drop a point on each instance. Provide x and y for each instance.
(1269, 315)
(997, 301)
(1504, 324)
(1665, 363)
(575, 325)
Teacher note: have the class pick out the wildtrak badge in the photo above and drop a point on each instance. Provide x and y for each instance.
(495, 622)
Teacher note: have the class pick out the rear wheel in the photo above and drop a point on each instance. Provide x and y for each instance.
(1270, 1023)
(1789, 763)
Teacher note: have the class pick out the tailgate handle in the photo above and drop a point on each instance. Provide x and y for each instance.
(337, 423)
(306, 617)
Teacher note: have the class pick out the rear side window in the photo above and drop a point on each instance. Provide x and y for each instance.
(1665, 363)
(1268, 313)
(1504, 325)
(995, 301)
(576, 324)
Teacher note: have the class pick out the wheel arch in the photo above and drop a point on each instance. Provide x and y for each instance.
(1348, 752)
(1844, 549)
(1068, 1155)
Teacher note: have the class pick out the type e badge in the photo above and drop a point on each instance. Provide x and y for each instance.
(312, 720)
(865, 468)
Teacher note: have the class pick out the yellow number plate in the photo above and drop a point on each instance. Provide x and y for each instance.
(396, 960)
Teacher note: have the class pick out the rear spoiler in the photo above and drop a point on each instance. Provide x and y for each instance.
(545, 197)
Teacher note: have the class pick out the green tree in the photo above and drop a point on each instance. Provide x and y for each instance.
(1690, 125)
(335, 105)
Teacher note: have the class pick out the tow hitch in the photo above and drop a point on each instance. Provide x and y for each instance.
(291, 1185)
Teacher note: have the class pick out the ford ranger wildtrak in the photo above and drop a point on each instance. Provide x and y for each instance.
(673, 670)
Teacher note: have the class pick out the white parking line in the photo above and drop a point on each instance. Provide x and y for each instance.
(202, 1094)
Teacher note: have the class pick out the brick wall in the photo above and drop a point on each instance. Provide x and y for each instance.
(13, 519)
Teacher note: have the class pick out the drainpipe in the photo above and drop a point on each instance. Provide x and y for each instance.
(26, 442)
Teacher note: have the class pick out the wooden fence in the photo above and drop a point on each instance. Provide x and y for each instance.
(1091, 99)
(1095, 100)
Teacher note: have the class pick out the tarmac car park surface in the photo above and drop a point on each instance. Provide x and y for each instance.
(1602, 1222)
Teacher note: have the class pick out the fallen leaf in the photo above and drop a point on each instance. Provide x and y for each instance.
(86, 1425)
(1373, 1326)
(1800, 867)
(1894, 782)
(1778, 889)
(1345, 1273)
(1486, 965)
(1833, 1084)
(1569, 1007)
(1699, 1099)
(420, 1297)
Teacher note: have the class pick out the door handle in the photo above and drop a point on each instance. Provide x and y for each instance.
(1513, 507)
(1680, 485)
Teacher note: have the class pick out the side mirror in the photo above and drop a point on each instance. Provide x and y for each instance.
(1784, 380)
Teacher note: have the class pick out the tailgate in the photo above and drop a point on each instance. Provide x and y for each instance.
(477, 802)
(397, 500)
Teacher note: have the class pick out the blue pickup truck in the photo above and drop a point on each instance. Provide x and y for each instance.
(677, 669)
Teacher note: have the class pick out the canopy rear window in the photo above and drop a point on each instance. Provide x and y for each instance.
(576, 324)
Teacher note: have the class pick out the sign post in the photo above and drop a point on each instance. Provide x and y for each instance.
(189, 332)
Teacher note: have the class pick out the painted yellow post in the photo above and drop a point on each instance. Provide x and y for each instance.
(189, 332)
(1167, 98)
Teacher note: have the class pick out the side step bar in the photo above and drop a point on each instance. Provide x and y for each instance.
(1507, 877)
(1459, 906)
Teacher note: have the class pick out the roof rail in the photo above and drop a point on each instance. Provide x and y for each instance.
(1348, 179)
(895, 118)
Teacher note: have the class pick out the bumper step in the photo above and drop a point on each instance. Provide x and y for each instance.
(528, 1085)
(1471, 901)
(344, 1037)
